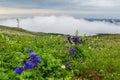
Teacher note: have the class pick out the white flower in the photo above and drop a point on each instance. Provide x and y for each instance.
(63, 66)
(89, 47)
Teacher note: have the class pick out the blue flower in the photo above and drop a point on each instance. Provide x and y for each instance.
(69, 39)
(32, 62)
(37, 59)
(34, 58)
(35, 64)
(72, 50)
(67, 64)
(32, 55)
(18, 70)
(28, 65)
(75, 40)
(30, 50)
(81, 41)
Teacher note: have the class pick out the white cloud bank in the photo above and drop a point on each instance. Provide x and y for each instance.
(63, 24)
(98, 3)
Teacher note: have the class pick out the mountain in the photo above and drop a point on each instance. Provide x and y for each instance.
(115, 21)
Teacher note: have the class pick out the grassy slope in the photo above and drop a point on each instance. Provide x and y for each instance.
(102, 56)
(20, 30)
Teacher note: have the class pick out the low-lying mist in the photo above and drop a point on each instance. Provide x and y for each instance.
(63, 24)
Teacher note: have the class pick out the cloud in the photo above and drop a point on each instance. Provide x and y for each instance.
(63, 24)
(103, 3)
(109, 5)
(15, 11)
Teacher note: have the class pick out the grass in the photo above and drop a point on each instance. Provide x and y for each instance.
(97, 59)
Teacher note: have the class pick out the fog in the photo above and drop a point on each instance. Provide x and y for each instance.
(62, 24)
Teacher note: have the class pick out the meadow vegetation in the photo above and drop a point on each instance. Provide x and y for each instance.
(60, 57)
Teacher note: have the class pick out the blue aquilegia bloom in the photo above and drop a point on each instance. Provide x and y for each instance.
(18, 70)
(37, 59)
(31, 63)
(34, 59)
(81, 41)
(30, 50)
(35, 64)
(67, 64)
(75, 39)
(32, 55)
(28, 65)
(68, 39)
(72, 50)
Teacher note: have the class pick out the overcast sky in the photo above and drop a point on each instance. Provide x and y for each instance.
(69, 10)
(102, 7)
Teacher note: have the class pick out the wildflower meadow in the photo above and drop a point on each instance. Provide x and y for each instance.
(41, 56)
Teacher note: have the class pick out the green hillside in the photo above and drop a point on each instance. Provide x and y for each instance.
(94, 58)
